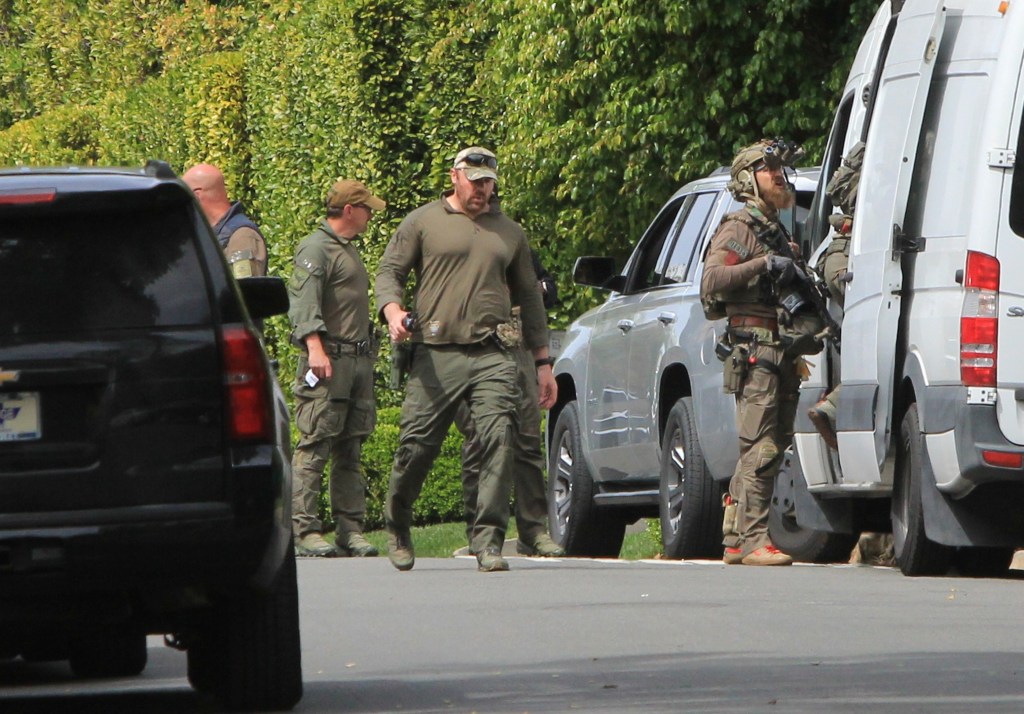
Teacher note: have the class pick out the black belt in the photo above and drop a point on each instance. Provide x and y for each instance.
(340, 347)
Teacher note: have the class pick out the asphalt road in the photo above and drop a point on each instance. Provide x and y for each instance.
(611, 636)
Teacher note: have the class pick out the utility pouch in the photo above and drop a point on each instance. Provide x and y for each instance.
(735, 370)
(728, 515)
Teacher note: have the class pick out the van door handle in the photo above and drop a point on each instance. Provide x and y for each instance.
(625, 325)
(667, 318)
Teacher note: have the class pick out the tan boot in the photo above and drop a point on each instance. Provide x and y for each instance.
(767, 555)
(313, 545)
(823, 424)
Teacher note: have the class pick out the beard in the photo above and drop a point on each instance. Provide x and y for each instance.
(779, 197)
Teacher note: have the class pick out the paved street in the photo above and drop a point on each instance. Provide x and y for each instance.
(611, 636)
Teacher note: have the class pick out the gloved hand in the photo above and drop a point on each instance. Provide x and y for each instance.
(780, 269)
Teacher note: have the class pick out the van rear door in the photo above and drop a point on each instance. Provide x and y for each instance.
(873, 300)
(1006, 141)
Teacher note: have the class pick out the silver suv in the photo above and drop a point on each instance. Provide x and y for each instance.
(642, 427)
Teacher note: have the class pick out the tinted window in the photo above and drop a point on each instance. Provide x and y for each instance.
(1017, 189)
(694, 226)
(646, 274)
(82, 271)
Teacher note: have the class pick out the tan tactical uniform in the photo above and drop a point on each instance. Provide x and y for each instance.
(759, 372)
(329, 292)
(469, 273)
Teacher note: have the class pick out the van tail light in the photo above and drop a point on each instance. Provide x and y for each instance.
(21, 198)
(246, 387)
(979, 321)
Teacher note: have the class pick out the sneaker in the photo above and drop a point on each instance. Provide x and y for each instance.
(767, 555)
(732, 556)
(490, 561)
(355, 545)
(313, 545)
(824, 425)
(400, 550)
(542, 547)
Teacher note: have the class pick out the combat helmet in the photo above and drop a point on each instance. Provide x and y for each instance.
(773, 152)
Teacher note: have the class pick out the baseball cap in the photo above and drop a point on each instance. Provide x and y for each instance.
(477, 163)
(348, 192)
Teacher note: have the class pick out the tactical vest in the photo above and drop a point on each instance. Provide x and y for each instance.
(234, 219)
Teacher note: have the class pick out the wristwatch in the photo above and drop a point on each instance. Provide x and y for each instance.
(549, 361)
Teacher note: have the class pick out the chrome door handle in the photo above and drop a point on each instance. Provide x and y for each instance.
(667, 318)
(625, 325)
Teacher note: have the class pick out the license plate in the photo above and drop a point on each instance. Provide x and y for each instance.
(19, 416)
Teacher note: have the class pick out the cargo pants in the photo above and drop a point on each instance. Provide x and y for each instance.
(333, 418)
(765, 409)
(528, 478)
(440, 379)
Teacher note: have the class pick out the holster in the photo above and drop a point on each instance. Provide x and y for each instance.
(735, 369)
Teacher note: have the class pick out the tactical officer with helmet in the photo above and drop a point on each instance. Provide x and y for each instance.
(842, 189)
(334, 401)
(472, 264)
(749, 267)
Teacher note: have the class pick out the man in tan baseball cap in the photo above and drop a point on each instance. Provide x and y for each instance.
(334, 402)
(346, 192)
(477, 163)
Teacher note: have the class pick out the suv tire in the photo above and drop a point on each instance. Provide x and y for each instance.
(576, 523)
(803, 544)
(689, 502)
(249, 654)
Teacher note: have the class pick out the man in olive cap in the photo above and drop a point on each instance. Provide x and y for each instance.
(334, 402)
(472, 265)
(749, 259)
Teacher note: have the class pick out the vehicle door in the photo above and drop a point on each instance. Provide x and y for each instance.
(873, 299)
(667, 303)
(607, 408)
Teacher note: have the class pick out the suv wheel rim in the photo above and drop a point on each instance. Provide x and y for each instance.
(562, 485)
(676, 481)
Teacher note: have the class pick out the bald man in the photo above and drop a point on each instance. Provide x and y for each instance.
(240, 238)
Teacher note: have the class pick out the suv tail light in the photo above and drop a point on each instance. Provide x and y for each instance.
(247, 391)
(979, 327)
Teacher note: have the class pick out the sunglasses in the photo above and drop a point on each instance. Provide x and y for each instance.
(477, 160)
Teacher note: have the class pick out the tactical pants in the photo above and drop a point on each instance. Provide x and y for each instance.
(441, 378)
(333, 419)
(531, 505)
(765, 410)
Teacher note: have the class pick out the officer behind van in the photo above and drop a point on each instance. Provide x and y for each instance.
(749, 261)
(842, 189)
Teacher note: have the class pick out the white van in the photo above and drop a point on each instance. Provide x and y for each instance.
(931, 418)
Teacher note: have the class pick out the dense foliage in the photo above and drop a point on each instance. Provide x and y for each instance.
(598, 109)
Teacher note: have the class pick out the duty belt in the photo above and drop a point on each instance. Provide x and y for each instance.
(336, 348)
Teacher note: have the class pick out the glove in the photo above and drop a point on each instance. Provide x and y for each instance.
(781, 269)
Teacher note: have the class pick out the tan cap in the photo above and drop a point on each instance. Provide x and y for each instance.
(477, 163)
(354, 193)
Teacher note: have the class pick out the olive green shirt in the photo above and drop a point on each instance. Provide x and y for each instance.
(329, 290)
(469, 273)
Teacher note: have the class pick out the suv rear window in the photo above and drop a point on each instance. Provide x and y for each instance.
(73, 271)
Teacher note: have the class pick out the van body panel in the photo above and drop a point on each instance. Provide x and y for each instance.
(874, 297)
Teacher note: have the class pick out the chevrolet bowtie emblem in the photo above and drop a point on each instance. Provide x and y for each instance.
(9, 375)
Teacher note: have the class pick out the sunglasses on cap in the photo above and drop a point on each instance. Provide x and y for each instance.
(477, 160)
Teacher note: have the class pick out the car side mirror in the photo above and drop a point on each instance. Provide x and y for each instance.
(597, 272)
(264, 296)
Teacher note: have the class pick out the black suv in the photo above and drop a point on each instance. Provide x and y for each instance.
(145, 477)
